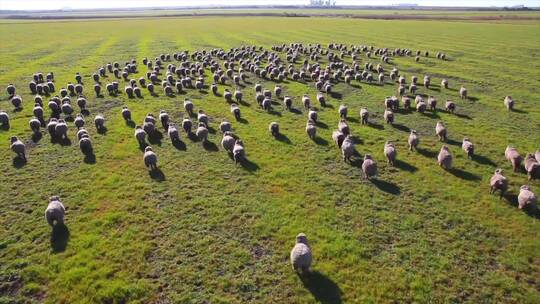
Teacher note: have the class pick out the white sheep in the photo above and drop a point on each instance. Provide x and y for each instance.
(369, 167)
(55, 211)
(390, 152)
(413, 140)
(445, 158)
(18, 147)
(150, 158)
(301, 256)
(526, 197)
(347, 148)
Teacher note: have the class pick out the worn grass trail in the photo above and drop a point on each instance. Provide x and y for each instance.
(208, 231)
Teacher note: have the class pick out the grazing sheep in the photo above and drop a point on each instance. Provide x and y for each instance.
(55, 211)
(389, 116)
(79, 121)
(450, 106)
(413, 140)
(287, 101)
(150, 158)
(440, 130)
(468, 147)
(364, 116)
(18, 147)
(509, 103)
(202, 118)
(347, 148)
(512, 155)
(444, 83)
(390, 152)
(140, 135)
(99, 121)
(498, 182)
(526, 197)
(369, 167)
(202, 132)
(228, 141)
(301, 256)
(16, 101)
(239, 153)
(274, 128)
(235, 110)
(187, 125)
(432, 103)
(126, 114)
(338, 138)
(51, 127)
(61, 128)
(311, 130)
(532, 167)
(173, 133)
(463, 93)
(445, 158)
(85, 144)
(343, 111)
(4, 120)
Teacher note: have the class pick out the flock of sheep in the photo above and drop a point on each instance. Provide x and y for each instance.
(185, 71)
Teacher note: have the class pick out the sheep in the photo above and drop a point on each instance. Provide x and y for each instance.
(445, 158)
(512, 155)
(287, 101)
(18, 147)
(364, 116)
(173, 133)
(277, 90)
(312, 115)
(306, 101)
(99, 122)
(369, 167)
(440, 130)
(347, 148)
(266, 104)
(536, 155)
(509, 103)
(228, 141)
(81, 132)
(273, 127)
(238, 95)
(258, 87)
(150, 158)
(468, 147)
(338, 138)
(235, 110)
(79, 121)
(532, 167)
(389, 116)
(81, 102)
(432, 103)
(444, 83)
(202, 118)
(311, 130)
(187, 125)
(140, 135)
(51, 127)
(61, 128)
(129, 91)
(85, 144)
(202, 132)
(4, 119)
(427, 81)
(526, 197)
(188, 106)
(390, 152)
(321, 99)
(239, 153)
(301, 257)
(463, 93)
(164, 118)
(343, 127)
(149, 127)
(126, 114)
(421, 106)
(97, 90)
(343, 111)
(498, 182)
(450, 106)
(11, 90)
(16, 101)
(55, 211)
(413, 140)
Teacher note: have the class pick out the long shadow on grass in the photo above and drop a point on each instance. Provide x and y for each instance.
(179, 145)
(401, 127)
(249, 165)
(210, 146)
(321, 287)
(520, 111)
(18, 162)
(403, 165)
(385, 186)
(376, 126)
(483, 160)
(464, 174)
(89, 158)
(320, 141)
(157, 175)
(59, 237)
(283, 138)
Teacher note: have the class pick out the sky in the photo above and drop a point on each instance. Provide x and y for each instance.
(84, 4)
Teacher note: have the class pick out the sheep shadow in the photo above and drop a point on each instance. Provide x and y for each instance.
(356, 86)
(19, 162)
(321, 124)
(336, 95)
(36, 137)
(472, 98)
(431, 114)
(352, 119)
(274, 112)
(427, 153)
(155, 138)
(401, 127)
(103, 130)
(157, 175)
(283, 138)
(520, 111)
(295, 111)
(483, 160)
(327, 105)
(323, 289)
(130, 123)
(376, 126)
(210, 146)
(85, 112)
(59, 237)
(242, 121)
(403, 165)
(89, 158)
(64, 141)
(385, 186)
(193, 137)
(320, 141)
(4, 127)
(249, 165)
(357, 140)
(453, 142)
(179, 145)
(464, 174)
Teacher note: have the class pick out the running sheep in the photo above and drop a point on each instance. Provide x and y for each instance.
(301, 256)
(498, 182)
(150, 158)
(468, 147)
(440, 130)
(526, 197)
(413, 140)
(18, 147)
(445, 158)
(390, 152)
(55, 212)
(513, 156)
(369, 167)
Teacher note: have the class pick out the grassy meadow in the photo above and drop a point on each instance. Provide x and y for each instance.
(212, 232)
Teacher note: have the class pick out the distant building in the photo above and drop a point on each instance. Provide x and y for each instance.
(322, 3)
(405, 4)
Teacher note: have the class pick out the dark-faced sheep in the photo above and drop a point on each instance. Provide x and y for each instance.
(338, 137)
(99, 122)
(532, 167)
(390, 152)
(55, 211)
(513, 156)
(440, 130)
(526, 197)
(312, 115)
(10, 89)
(311, 129)
(364, 116)
(150, 158)
(228, 141)
(468, 147)
(445, 158)
(498, 182)
(301, 257)
(4, 120)
(369, 167)
(18, 147)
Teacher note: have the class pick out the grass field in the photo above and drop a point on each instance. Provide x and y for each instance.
(211, 232)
